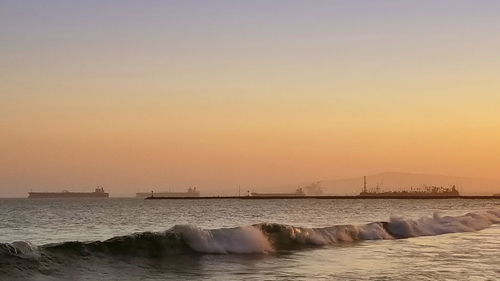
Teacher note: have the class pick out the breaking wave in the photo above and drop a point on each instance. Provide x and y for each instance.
(19, 249)
(256, 239)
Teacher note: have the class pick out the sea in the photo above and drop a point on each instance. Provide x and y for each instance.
(236, 239)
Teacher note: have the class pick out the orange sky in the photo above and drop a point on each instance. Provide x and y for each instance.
(131, 101)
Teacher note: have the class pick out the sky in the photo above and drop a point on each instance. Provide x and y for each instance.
(141, 95)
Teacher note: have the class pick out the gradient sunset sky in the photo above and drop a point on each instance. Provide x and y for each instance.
(133, 95)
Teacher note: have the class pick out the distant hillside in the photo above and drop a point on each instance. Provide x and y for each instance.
(394, 180)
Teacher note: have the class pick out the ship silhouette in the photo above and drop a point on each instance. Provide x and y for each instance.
(425, 192)
(98, 193)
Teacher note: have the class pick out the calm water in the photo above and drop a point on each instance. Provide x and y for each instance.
(249, 239)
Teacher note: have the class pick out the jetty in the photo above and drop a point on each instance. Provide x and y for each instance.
(324, 197)
(427, 192)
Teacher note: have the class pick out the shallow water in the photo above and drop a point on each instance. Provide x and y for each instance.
(249, 239)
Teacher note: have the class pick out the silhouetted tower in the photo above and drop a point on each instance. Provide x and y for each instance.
(364, 185)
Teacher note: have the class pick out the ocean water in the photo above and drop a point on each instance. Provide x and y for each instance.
(306, 239)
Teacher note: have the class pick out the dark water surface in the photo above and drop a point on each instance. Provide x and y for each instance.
(133, 239)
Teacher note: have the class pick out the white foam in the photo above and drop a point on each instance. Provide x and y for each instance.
(21, 249)
(438, 224)
(240, 240)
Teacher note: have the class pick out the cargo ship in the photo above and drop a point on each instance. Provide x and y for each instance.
(191, 192)
(98, 193)
(425, 192)
(298, 193)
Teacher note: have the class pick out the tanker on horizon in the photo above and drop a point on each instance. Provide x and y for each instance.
(298, 193)
(97, 193)
(191, 192)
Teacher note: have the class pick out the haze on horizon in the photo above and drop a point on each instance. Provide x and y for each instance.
(132, 95)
